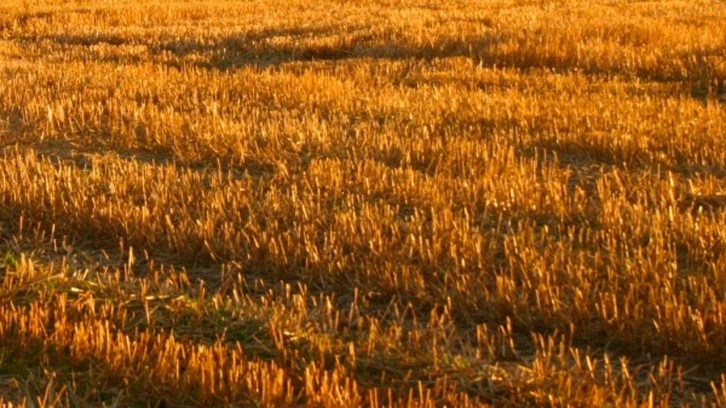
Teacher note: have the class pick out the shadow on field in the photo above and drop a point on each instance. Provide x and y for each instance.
(263, 48)
(587, 163)
(85, 157)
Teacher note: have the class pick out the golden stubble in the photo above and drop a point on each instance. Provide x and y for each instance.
(362, 203)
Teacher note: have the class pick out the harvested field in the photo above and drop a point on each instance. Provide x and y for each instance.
(362, 203)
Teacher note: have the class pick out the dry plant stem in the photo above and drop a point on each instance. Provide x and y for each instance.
(363, 203)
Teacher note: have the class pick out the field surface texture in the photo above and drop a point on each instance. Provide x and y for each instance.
(362, 203)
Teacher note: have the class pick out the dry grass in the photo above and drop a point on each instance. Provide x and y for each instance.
(324, 203)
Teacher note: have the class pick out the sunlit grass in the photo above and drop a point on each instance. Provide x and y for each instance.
(369, 203)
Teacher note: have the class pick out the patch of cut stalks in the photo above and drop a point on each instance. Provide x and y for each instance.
(362, 204)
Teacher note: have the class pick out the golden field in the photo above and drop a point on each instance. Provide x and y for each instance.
(362, 203)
